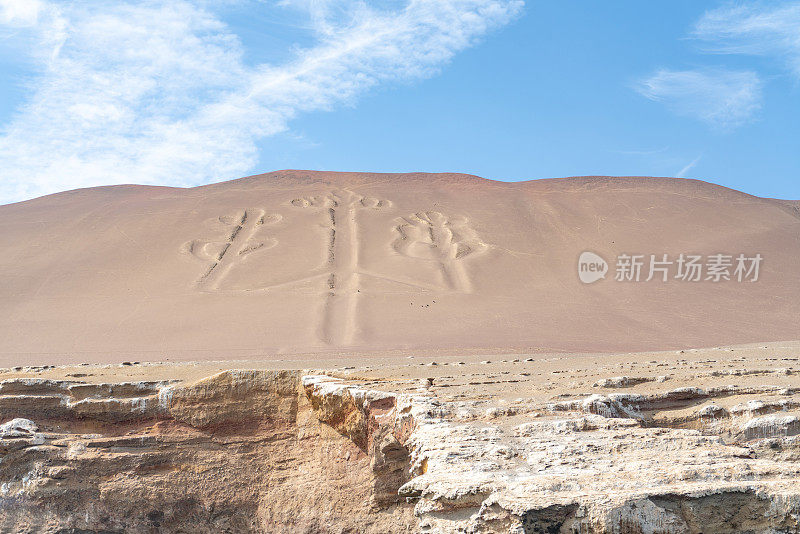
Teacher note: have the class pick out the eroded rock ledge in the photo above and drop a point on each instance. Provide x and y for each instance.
(292, 451)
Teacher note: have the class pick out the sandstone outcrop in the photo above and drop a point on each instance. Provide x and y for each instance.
(240, 451)
(298, 451)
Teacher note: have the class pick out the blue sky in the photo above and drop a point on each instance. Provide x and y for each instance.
(188, 92)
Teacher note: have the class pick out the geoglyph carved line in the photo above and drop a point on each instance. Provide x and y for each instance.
(339, 320)
(432, 236)
(242, 229)
(428, 236)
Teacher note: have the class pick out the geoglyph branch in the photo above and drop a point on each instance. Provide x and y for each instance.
(242, 240)
(432, 236)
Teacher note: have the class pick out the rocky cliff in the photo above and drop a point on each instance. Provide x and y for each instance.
(236, 452)
(293, 451)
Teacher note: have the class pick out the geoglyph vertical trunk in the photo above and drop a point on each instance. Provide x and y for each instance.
(340, 309)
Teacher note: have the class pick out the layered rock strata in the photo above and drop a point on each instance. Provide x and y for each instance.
(293, 451)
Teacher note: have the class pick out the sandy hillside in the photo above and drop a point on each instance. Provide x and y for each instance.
(307, 262)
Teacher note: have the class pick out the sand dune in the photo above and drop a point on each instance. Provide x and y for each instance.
(313, 262)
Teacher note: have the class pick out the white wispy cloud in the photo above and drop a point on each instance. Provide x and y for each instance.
(754, 28)
(20, 13)
(728, 98)
(159, 92)
(689, 166)
(721, 98)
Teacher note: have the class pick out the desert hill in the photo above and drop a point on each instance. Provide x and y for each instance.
(310, 262)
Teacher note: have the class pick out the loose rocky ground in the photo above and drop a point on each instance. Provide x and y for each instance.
(703, 441)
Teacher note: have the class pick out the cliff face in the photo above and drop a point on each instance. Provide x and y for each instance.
(236, 452)
(287, 451)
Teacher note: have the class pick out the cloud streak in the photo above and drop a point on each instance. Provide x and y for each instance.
(754, 29)
(689, 166)
(724, 98)
(721, 98)
(159, 92)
